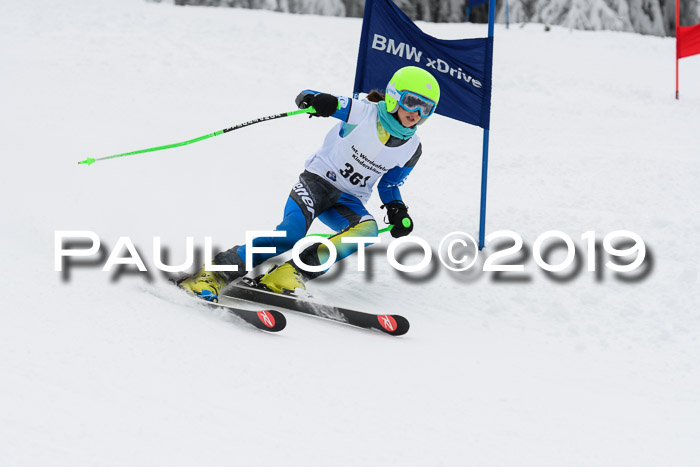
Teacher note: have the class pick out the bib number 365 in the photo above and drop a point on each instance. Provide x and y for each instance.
(353, 177)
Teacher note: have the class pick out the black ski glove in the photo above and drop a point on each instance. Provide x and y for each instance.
(325, 104)
(397, 214)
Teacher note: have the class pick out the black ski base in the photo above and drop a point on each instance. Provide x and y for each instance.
(247, 289)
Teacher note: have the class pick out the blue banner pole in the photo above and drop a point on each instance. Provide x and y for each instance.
(507, 16)
(485, 158)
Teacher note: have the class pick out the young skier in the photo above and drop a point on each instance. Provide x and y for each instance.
(375, 143)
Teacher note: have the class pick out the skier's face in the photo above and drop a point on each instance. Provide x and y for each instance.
(408, 119)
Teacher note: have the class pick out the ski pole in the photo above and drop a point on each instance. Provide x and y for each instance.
(330, 235)
(90, 160)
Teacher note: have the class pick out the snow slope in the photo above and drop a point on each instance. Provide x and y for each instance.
(98, 369)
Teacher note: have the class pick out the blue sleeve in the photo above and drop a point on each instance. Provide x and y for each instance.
(388, 185)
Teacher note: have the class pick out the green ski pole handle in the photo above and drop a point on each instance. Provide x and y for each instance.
(309, 110)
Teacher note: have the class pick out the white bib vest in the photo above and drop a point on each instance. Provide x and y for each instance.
(356, 162)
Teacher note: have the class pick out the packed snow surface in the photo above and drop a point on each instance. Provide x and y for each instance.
(105, 369)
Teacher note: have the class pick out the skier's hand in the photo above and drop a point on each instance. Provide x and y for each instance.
(324, 104)
(397, 214)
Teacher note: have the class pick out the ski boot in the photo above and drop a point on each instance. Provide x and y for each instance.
(204, 284)
(284, 279)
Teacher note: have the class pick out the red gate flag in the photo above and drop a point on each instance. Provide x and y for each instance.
(688, 41)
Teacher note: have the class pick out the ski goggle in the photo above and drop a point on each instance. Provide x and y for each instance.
(411, 101)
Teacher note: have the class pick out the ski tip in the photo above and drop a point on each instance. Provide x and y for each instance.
(272, 320)
(396, 325)
(402, 325)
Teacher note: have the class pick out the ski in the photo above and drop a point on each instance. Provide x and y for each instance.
(245, 289)
(266, 320)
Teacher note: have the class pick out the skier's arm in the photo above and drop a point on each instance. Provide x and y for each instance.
(388, 185)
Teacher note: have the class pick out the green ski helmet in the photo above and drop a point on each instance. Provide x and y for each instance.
(413, 89)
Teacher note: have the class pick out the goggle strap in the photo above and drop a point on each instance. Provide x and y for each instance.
(393, 92)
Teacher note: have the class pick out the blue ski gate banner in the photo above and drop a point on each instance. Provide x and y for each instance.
(390, 40)
(473, 3)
